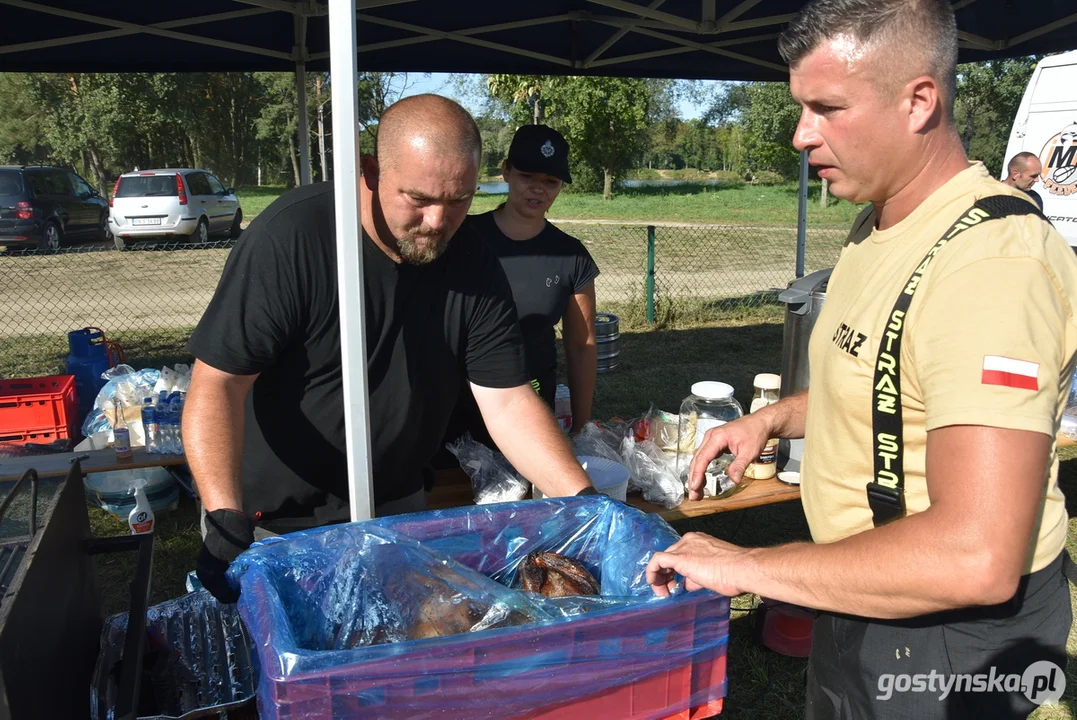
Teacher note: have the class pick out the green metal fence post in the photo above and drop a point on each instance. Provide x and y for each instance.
(650, 274)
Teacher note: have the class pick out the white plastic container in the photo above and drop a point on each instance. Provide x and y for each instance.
(608, 477)
(112, 491)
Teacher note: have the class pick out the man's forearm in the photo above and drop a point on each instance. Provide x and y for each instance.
(919, 565)
(787, 416)
(531, 440)
(582, 362)
(213, 442)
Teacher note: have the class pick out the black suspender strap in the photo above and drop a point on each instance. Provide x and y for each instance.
(886, 492)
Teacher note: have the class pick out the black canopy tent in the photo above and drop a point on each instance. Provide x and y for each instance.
(697, 39)
(713, 39)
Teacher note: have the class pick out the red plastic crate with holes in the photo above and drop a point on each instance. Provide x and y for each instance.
(649, 659)
(41, 409)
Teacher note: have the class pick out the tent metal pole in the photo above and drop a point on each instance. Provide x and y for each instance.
(304, 123)
(344, 69)
(802, 215)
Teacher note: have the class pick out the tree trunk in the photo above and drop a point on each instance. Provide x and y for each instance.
(321, 123)
(607, 184)
(539, 114)
(822, 196)
(98, 170)
(295, 161)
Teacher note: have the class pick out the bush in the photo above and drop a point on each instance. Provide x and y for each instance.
(727, 176)
(643, 174)
(585, 179)
(767, 177)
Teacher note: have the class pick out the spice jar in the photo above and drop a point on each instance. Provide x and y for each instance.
(765, 466)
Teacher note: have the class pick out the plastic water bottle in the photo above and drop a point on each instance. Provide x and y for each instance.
(164, 424)
(176, 415)
(149, 426)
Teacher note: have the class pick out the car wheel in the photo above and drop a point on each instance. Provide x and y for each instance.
(201, 233)
(104, 232)
(120, 243)
(237, 223)
(51, 237)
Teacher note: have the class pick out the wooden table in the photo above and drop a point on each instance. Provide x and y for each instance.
(453, 489)
(57, 464)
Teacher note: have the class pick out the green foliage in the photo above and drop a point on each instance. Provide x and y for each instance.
(769, 121)
(988, 95)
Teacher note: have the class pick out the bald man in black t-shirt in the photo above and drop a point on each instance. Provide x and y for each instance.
(264, 419)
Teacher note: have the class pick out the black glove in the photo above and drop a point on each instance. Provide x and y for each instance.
(589, 490)
(228, 533)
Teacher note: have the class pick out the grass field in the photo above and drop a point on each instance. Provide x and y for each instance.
(725, 203)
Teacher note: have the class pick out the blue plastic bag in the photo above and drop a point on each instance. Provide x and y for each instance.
(328, 612)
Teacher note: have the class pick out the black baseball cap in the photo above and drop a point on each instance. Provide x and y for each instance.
(540, 149)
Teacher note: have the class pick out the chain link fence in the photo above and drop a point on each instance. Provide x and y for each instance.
(149, 298)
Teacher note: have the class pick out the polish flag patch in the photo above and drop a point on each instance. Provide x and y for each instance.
(1010, 373)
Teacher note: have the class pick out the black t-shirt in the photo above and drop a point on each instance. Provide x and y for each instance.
(544, 273)
(1036, 198)
(428, 328)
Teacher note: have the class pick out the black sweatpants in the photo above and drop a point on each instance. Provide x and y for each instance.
(861, 668)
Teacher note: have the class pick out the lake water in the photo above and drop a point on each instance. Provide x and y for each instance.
(500, 187)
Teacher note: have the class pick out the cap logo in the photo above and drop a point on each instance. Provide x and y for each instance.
(547, 149)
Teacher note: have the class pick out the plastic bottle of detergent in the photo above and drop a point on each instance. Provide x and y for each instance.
(141, 516)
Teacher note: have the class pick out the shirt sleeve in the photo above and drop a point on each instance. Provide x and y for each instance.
(495, 350)
(586, 269)
(254, 312)
(988, 346)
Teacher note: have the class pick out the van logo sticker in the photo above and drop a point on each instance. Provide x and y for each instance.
(1059, 159)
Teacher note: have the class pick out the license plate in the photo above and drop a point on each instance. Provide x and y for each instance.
(146, 221)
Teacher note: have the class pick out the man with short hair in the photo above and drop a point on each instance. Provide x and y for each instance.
(1023, 170)
(263, 423)
(940, 364)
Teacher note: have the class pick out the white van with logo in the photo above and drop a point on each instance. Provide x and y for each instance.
(1046, 124)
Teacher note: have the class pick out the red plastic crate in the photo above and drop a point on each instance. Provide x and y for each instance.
(39, 409)
(691, 691)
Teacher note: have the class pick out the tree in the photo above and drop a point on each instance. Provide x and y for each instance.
(769, 121)
(22, 132)
(520, 95)
(605, 120)
(988, 95)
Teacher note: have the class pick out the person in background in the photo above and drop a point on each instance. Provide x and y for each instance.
(264, 419)
(1023, 170)
(550, 272)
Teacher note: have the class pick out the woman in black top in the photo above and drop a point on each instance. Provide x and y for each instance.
(550, 272)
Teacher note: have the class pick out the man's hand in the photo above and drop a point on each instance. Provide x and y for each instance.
(228, 533)
(705, 562)
(745, 438)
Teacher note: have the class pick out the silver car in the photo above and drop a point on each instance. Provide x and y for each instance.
(167, 203)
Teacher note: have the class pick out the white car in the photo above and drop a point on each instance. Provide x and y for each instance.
(167, 203)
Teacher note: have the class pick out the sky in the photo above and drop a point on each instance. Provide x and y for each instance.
(446, 84)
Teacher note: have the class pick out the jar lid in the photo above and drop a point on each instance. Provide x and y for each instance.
(712, 390)
(768, 381)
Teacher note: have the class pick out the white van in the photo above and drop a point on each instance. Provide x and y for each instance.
(1046, 124)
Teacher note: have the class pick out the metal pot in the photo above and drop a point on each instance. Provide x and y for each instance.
(803, 302)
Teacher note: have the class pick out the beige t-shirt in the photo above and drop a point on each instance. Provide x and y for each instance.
(989, 339)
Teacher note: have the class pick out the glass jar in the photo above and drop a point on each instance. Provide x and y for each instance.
(710, 405)
(765, 466)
